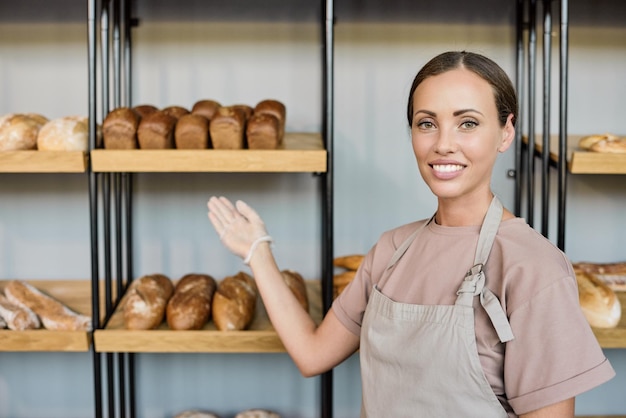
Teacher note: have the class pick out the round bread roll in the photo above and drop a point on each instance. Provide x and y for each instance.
(613, 146)
(68, 133)
(20, 131)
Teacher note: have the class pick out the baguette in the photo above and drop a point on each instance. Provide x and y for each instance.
(234, 302)
(189, 308)
(17, 317)
(598, 302)
(53, 314)
(296, 284)
(146, 301)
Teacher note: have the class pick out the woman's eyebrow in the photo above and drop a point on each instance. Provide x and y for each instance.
(428, 112)
(462, 111)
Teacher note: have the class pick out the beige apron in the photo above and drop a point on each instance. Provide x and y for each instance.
(422, 360)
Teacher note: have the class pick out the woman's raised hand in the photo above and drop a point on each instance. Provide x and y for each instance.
(239, 227)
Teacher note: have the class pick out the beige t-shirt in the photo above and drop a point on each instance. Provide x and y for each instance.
(554, 354)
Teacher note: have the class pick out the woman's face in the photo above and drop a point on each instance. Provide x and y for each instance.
(456, 134)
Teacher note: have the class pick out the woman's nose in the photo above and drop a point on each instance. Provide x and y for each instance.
(446, 142)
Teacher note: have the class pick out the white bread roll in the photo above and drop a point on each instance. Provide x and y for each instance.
(68, 133)
(20, 131)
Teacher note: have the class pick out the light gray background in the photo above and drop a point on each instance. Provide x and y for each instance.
(245, 54)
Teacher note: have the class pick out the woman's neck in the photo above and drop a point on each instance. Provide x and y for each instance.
(462, 212)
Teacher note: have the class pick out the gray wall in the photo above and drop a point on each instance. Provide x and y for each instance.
(44, 223)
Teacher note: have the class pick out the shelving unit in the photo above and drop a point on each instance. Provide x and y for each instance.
(301, 153)
(563, 153)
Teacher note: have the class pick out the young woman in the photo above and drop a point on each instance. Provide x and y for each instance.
(468, 313)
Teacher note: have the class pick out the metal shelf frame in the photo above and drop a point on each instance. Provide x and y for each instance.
(110, 195)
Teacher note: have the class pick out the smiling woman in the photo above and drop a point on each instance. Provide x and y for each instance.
(470, 291)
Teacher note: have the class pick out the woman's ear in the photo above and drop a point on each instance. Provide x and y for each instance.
(508, 134)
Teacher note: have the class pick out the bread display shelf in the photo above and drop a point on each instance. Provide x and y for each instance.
(584, 162)
(43, 162)
(259, 338)
(301, 152)
(614, 337)
(75, 294)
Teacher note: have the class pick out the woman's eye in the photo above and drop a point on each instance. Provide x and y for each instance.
(469, 124)
(425, 124)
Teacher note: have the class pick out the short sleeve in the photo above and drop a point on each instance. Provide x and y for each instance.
(555, 355)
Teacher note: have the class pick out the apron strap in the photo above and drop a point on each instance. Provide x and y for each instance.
(406, 244)
(474, 282)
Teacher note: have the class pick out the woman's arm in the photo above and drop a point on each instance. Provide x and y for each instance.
(314, 349)
(564, 409)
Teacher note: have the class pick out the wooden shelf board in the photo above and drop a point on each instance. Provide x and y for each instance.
(614, 337)
(43, 162)
(302, 152)
(76, 294)
(259, 338)
(584, 162)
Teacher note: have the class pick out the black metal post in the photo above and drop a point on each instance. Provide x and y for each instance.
(93, 204)
(562, 162)
(532, 66)
(545, 154)
(328, 22)
(519, 85)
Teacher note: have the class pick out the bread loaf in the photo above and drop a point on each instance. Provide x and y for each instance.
(587, 141)
(234, 302)
(349, 262)
(276, 108)
(156, 131)
(119, 129)
(144, 110)
(206, 108)
(53, 314)
(17, 317)
(176, 111)
(616, 146)
(246, 110)
(598, 302)
(611, 274)
(296, 284)
(19, 131)
(227, 128)
(189, 308)
(263, 132)
(146, 300)
(192, 132)
(257, 413)
(67, 133)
